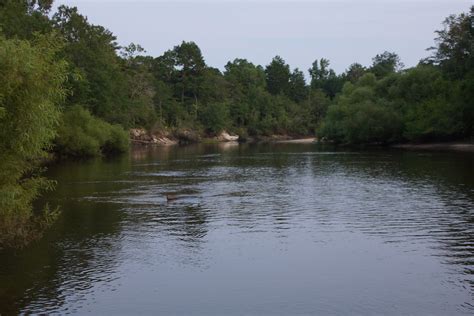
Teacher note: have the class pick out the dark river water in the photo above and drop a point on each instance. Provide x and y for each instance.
(257, 229)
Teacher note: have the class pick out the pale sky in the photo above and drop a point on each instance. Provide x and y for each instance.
(344, 31)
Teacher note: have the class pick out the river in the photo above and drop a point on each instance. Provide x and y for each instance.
(277, 229)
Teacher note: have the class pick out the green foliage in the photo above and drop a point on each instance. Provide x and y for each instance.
(22, 18)
(433, 118)
(97, 81)
(215, 117)
(188, 58)
(278, 76)
(297, 89)
(354, 72)
(318, 105)
(454, 50)
(360, 116)
(325, 79)
(419, 104)
(82, 135)
(31, 87)
(319, 72)
(466, 95)
(141, 90)
(114, 85)
(432, 101)
(385, 64)
(185, 83)
(245, 82)
(430, 104)
(188, 68)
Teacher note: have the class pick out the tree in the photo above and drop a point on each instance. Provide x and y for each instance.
(385, 64)
(454, 50)
(297, 91)
(361, 116)
(185, 83)
(190, 66)
(82, 135)
(428, 102)
(214, 116)
(165, 78)
(141, 87)
(242, 75)
(96, 79)
(214, 87)
(31, 88)
(278, 76)
(245, 83)
(319, 72)
(355, 72)
(318, 104)
(22, 18)
(324, 78)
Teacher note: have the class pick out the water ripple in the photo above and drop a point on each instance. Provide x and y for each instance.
(327, 232)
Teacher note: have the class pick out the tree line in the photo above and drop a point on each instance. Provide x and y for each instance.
(68, 87)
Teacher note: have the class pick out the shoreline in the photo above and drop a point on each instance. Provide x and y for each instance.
(142, 137)
(169, 142)
(304, 140)
(451, 146)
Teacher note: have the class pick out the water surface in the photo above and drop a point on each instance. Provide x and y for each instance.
(257, 229)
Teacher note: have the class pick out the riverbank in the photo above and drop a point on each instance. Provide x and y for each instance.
(305, 140)
(176, 137)
(451, 146)
(142, 137)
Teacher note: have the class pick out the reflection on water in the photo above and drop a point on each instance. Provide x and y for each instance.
(267, 229)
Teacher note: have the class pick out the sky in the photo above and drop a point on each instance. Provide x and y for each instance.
(343, 31)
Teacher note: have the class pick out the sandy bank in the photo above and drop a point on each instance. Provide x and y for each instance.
(308, 140)
(140, 136)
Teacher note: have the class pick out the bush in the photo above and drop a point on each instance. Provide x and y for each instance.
(31, 87)
(360, 116)
(372, 123)
(83, 135)
(215, 117)
(118, 141)
(436, 118)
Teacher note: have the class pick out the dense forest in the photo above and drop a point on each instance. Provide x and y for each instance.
(67, 87)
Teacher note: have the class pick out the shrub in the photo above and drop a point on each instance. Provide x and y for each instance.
(360, 116)
(31, 87)
(215, 116)
(83, 135)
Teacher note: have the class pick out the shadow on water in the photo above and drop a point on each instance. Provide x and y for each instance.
(79, 251)
(233, 199)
